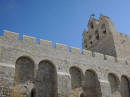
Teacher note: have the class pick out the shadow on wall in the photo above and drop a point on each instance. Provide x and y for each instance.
(45, 84)
(125, 86)
(76, 81)
(47, 80)
(87, 86)
(119, 89)
(114, 83)
(24, 70)
(92, 86)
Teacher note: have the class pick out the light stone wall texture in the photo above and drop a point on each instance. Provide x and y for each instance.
(100, 69)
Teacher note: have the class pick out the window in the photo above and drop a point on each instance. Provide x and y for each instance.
(97, 35)
(33, 93)
(86, 46)
(91, 25)
(104, 32)
(103, 28)
(91, 42)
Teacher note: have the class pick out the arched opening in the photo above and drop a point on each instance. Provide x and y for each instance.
(24, 70)
(97, 34)
(91, 25)
(103, 29)
(82, 95)
(33, 93)
(47, 79)
(125, 87)
(86, 45)
(104, 32)
(76, 80)
(114, 84)
(76, 77)
(92, 85)
(103, 26)
(91, 42)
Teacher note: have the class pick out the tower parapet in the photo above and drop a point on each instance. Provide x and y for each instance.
(62, 67)
(102, 37)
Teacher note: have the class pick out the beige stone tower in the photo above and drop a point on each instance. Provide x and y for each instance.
(102, 37)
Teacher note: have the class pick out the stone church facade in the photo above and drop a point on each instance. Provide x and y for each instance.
(100, 69)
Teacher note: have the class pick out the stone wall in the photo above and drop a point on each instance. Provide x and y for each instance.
(60, 78)
(6, 80)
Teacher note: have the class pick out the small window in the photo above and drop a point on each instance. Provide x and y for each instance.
(82, 95)
(97, 35)
(33, 93)
(104, 32)
(86, 45)
(91, 42)
(91, 25)
(103, 26)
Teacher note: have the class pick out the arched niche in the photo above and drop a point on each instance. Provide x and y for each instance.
(103, 28)
(24, 69)
(47, 79)
(125, 87)
(91, 25)
(92, 85)
(114, 84)
(76, 77)
(33, 93)
(76, 81)
(97, 34)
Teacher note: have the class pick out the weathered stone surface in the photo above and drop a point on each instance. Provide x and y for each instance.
(58, 72)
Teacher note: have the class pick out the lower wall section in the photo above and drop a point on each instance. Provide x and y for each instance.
(6, 80)
(64, 84)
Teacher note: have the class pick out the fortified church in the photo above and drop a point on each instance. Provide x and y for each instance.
(100, 69)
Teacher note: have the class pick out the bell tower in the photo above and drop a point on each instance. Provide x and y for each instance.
(99, 37)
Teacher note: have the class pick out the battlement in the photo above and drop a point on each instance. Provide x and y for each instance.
(102, 37)
(98, 30)
(12, 38)
(67, 70)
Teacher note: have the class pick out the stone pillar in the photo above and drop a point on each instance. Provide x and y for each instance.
(64, 84)
(105, 88)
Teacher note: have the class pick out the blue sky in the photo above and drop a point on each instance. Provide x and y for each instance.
(61, 21)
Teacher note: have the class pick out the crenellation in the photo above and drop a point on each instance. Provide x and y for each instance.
(58, 46)
(123, 36)
(61, 47)
(28, 40)
(98, 55)
(75, 50)
(45, 43)
(110, 58)
(122, 61)
(86, 52)
(10, 36)
(88, 73)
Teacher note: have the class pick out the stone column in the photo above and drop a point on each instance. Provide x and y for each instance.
(64, 84)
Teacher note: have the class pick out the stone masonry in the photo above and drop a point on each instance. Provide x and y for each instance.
(100, 69)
